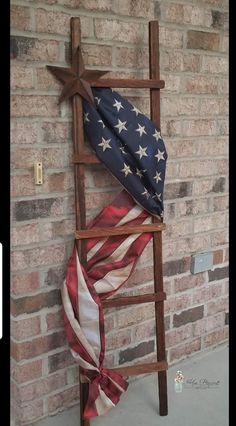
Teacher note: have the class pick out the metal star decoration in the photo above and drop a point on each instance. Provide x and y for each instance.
(76, 79)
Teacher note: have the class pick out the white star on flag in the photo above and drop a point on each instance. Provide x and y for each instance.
(136, 110)
(141, 152)
(86, 117)
(157, 196)
(146, 193)
(105, 144)
(159, 155)
(103, 125)
(141, 130)
(139, 173)
(157, 135)
(123, 150)
(157, 177)
(98, 99)
(118, 105)
(126, 170)
(121, 125)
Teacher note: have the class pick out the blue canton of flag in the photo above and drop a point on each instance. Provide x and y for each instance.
(130, 146)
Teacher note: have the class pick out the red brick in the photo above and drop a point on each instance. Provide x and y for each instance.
(54, 320)
(26, 234)
(199, 327)
(25, 328)
(22, 185)
(203, 40)
(33, 303)
(219, 238)
(195, 15)
(38, 346)
(172, 61)
(184, 349)
(42, 207)
(58, 229)
(172, 84)
(95, 54)
(21, 77)
(215, 65)
(132, 316)
(20, 18)
(32, 411)
(201, 85)
(208, 223)
(42, 387)
(37, 257)
(34, 106)
(25, 283)
(50, 157)
(184, 106)
(179, 229)
(96, 5)
(63, 399)
(139, 8)
(220, 20)
(144, 331)
(215, 321)
(130, 57)
(56, 132)
(193, 207)
(138, 351)
(59, 182)
(197, 168)
(26, 372)
(176, 303)
(60, 360)
(206, 293)
(216, 337)
(189, 281)
(46, 81)
(171, 127)
(218, 305)
(32, 49)
(191, 62)
(116, 340)
(99, 199)
(59, 23)
(217, 257)
(174, 267)
(113, 29)
(23, 133)
(171, 38)
(174, 337)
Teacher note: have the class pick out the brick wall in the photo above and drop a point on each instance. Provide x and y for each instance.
(194, 108)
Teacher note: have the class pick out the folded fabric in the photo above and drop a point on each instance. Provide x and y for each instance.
(130, 146)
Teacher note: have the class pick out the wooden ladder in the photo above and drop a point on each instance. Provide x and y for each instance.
(81, 159)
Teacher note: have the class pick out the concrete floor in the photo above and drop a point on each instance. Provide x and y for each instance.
(196, 405)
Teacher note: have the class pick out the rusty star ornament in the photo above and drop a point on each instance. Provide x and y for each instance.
(76, 79)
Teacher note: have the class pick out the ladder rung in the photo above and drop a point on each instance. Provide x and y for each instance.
(133, 300)
(86, 159)
(134, 370)
(119, 230)
(128, 83)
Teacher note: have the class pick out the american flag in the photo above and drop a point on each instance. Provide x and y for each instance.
(130, 145)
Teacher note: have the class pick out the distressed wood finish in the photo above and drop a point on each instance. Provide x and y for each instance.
(78, 142)
(118, 230)
(129, 83)
(135, 370)
(134, 300)
(154, 68)
(80, 159)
